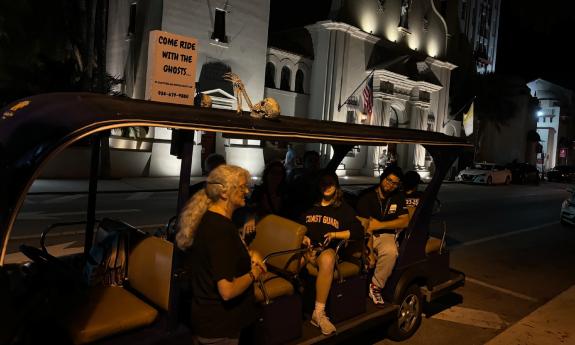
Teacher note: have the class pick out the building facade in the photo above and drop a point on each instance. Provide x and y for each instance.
(479, 22)
(554, 124)
(398, 47)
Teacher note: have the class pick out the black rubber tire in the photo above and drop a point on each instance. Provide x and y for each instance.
(408, 318)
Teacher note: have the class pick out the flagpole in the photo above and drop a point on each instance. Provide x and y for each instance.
(339, 106)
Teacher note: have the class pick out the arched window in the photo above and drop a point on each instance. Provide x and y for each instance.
(299, 81)
(285, 79)
(270, 75)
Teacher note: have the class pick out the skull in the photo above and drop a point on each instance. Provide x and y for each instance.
(268, 108)
(206, 101)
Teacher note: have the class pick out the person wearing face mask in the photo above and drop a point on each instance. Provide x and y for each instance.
(328, 221)
(383, 213)
(223, 271)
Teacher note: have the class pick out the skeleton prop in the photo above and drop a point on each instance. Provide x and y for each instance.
(268, 108)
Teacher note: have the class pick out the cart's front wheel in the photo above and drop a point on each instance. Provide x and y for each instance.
(408, 316)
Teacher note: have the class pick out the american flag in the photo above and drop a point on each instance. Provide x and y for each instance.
(368, 98)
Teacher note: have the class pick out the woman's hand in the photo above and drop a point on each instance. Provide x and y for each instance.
(258, 265)
(249, 226)
(306, 241)
(328, 237)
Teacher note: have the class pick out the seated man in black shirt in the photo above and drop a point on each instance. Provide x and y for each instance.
(383, 212)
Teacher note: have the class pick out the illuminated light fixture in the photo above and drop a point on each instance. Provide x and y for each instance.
(391, 33)
(432, 48)
(540, 113)
(413, 43)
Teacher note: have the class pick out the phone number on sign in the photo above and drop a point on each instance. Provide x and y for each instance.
(173, 94)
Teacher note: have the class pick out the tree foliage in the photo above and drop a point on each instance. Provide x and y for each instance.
(52, 46)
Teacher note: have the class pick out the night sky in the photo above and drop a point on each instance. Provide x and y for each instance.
(536, 40)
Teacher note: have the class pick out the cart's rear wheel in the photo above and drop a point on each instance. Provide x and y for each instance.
(408, 316)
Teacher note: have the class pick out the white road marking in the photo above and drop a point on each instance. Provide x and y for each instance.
(55, 250)
(140, 196)
(57, 215)
(63, 199)
(472, 317)
(496, 237)
(500, 289)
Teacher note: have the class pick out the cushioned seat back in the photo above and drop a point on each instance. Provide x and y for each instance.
(274, 234)
(150, 269)
(433, 245)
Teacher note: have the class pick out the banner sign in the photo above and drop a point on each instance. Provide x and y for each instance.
(171, 75)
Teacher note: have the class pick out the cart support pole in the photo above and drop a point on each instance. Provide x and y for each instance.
(92, 191)
(185, 170)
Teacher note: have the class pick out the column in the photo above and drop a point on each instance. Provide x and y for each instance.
(420, 123)
(373, 152)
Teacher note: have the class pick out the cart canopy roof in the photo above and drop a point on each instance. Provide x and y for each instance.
(34, 129)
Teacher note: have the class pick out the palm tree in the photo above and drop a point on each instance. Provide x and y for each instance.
(496, 103)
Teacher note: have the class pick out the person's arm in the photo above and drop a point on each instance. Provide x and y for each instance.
(337, 235)
(350, 222)
(230, 289)
(399, 223)
(224, 255)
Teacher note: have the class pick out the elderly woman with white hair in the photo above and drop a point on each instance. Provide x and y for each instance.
(222, 269)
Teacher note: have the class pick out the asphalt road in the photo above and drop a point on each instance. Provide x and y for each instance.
(506, 239)
(515, 254)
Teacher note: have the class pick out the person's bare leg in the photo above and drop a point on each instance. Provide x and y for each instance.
(326, 264)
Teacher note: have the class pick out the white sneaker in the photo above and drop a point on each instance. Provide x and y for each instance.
(322, 321)
(375, 295)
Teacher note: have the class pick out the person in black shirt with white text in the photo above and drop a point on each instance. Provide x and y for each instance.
(327, 222)
(410, 181)
(222, 269)
(384, 212)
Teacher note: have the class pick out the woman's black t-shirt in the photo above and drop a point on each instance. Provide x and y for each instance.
(320, 220)
(218, 253)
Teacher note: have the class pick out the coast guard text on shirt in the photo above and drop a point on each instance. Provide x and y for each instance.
(318, 218)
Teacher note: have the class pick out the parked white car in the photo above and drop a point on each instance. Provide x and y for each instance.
(485, 173)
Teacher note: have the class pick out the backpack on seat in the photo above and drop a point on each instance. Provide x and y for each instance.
(107, 262)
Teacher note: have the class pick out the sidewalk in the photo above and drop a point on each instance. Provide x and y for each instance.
(142, 184)
(553, 323)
